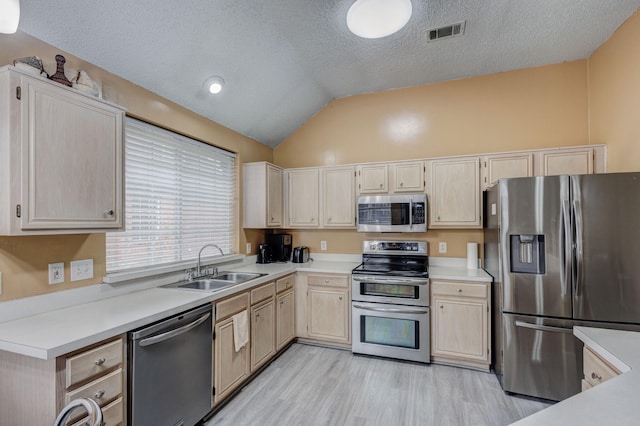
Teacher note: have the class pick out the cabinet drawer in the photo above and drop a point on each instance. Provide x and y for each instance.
(93, 362)
(263, 292)
(459, 289)
(329, 280)
(596, 370)
(284, 283)
(112, 414)
(102, 390)
(231, 306)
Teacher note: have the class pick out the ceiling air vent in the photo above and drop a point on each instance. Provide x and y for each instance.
(446, 32)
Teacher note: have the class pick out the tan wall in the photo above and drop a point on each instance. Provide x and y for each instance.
(532, 108)
(614, 96)
(24, 260)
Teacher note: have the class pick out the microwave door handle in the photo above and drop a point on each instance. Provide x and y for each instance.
(410, 213)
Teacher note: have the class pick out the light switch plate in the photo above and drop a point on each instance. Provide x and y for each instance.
(81, 269)
(56, 273)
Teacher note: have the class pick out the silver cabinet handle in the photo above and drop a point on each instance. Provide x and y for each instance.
(543, 327)
(596, 376)
(109, 212)
(339, 297)
(99, 394)
(401, 183)
(100, 361)
(441, 306)
(459, 290)
(381, 185)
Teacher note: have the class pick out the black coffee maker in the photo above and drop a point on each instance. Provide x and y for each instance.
(281, 247)
(264, 254)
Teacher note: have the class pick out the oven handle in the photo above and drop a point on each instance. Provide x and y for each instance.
(392, 310)
(400, 281)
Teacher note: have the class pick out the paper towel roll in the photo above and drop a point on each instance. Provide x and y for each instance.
(472, 255)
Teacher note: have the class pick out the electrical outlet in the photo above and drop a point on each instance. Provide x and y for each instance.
(442, 247)
(323, 245)
(56, 273)
(248, 248)
(81, 269)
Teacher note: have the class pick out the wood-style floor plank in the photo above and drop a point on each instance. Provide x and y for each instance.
(311, 385)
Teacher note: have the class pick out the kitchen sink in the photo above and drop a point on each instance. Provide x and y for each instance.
(216, 282)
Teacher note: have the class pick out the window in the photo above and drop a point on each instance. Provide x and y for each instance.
(179, 196)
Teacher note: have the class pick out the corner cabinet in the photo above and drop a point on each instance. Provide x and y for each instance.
(262, 195)
(61, 159)
(454, 193)
(460, 323)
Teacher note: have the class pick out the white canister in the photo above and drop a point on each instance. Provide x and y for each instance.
(472, 255)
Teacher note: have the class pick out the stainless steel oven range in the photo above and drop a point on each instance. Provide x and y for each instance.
(390, 301)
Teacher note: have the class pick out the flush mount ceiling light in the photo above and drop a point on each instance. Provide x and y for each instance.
(378, 18)
(10, 16)
(214, 84)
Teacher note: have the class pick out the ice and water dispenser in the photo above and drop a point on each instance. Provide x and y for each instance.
(527, 253)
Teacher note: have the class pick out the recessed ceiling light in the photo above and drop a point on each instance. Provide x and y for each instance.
(378, 18)
(214, 84)
(10, 16)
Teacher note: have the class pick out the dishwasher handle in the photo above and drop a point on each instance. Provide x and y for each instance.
(173, 333)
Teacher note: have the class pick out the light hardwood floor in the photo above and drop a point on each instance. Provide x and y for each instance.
(310, 385)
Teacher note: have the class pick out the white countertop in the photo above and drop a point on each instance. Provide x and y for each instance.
(68, 327)
(614, 402)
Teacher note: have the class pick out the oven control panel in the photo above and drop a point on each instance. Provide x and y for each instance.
(395, 247)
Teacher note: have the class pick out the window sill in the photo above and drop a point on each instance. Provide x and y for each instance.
(149, 271)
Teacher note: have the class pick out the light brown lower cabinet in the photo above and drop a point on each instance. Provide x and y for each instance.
(285, 311)
(460, 318)
(263, 325)
(34, 391)
(596, 370)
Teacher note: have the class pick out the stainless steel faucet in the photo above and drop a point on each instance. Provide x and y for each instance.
(200, 253)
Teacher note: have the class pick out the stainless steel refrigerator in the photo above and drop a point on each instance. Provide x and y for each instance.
(563, 251)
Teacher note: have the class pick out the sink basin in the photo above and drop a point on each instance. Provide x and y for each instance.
(209, 285)
(217, 282)
(236, 277)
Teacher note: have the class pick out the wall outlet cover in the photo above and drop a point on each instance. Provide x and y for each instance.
(248, 248)
(323, 245)
(56, 273)
(81, 269)
(442, 247)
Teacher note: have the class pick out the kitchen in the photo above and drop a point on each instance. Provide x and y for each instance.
(582, 102)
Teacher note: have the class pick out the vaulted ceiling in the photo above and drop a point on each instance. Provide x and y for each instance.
(284, 60)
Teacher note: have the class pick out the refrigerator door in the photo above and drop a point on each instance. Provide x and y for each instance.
(607, 228)
(542, 357)
(535, 246)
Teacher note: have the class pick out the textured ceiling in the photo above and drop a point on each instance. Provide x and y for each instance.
(283, 60)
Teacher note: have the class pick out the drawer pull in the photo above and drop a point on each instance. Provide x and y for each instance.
(326, 281)
(100, 361)
(596, 376)
(459, 290)
(99, 394)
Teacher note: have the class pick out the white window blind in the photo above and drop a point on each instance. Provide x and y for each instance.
(179, 196)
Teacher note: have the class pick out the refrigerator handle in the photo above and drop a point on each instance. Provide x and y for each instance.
(543, 327)
(567, 256)
(577, 214)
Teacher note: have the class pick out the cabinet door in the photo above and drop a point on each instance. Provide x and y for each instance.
(338, 197)
(459, 328)
(372, 179)
(567, 162)
(274, 196)
(496, 167)
(231, 368)
(263, 323)
(285, 319)
(328, 314)
(303, 198)
(408, 177)
(72, 160)
(455, 193)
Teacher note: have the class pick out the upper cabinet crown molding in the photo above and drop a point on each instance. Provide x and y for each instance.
(61, 159)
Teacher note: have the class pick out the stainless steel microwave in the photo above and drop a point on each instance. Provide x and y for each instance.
(392, 213)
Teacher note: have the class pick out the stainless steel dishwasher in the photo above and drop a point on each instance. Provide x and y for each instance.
(170, 370)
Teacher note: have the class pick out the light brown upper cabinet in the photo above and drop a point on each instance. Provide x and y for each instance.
(566, 162)
(61, 157)
(262, 195)
(408, 176)
(338, 197)
(303, 198)
(495, 167)
(373, 179)
(454, 193)
(389, 178)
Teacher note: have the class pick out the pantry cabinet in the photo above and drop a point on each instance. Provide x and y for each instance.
(61, 159)
(454, 193)
(303, 198)
(338, 197)
(33, 391)
(230, 367)
(323, 311)
(460, 318)
(262, 195)
(263, 325)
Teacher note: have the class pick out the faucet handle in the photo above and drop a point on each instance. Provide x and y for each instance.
(188, 274)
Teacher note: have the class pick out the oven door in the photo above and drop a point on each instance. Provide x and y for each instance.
(393, 331)
(384, 289)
